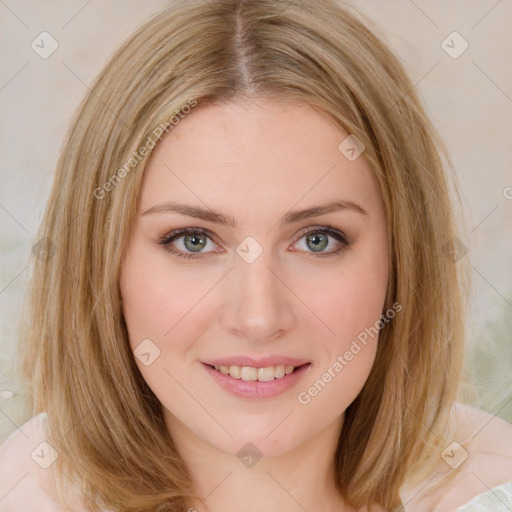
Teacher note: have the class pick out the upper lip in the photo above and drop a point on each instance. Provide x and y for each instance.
(261, 362)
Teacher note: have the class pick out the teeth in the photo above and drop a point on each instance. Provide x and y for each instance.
(261, 374)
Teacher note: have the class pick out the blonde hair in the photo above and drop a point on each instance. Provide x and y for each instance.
(104, 420)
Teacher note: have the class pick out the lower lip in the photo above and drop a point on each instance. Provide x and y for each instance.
(255, 389)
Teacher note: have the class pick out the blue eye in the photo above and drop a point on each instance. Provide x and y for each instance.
(195, 239)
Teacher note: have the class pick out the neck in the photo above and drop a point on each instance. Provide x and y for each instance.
(297, 480)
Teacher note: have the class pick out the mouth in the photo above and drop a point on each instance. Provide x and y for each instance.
(252, 373)
(256, 383)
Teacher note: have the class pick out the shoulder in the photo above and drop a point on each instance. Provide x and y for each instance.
(480, 457)
(488, 432)
(26, 469)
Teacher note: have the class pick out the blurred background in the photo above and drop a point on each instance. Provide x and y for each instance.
(458, 54)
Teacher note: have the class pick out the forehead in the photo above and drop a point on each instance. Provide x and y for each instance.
(245, 157)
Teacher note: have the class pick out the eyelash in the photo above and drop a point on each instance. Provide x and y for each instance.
(179, 233)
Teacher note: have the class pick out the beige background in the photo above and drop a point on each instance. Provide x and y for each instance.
(469, 99)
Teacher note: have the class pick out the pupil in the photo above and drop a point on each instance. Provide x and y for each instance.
(198, 242)
(319, 241)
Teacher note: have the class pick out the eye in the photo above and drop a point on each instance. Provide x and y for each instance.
(194, 240)
(317, 239)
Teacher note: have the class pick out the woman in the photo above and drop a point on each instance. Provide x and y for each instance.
(248, 296)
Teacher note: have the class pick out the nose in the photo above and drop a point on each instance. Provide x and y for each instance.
(259, 304)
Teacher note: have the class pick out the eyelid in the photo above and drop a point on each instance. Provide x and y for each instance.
(331, 230)
(180, 232)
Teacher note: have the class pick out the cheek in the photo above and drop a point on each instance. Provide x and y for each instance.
(350, 303)
(351, 297)
(156, 297)
(351, 307)
(156, 302)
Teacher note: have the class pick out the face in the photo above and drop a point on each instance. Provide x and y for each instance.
(251, 282)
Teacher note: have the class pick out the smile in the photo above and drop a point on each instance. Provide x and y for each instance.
(256, 383)
(260, 374)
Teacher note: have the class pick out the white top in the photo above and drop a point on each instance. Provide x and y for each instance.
(498, 499)
(27, 481)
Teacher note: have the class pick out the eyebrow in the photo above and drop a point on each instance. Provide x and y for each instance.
(219, 218)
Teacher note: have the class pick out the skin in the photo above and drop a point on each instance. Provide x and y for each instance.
(255, 162)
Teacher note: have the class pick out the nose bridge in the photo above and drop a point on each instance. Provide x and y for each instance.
(259, 304)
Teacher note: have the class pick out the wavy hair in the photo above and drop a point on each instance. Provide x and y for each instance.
(104, 420)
